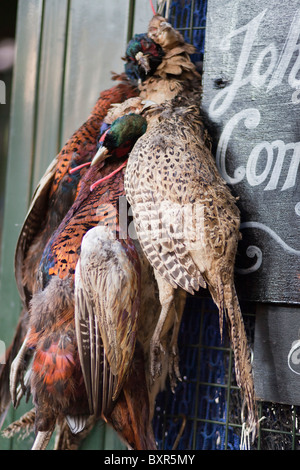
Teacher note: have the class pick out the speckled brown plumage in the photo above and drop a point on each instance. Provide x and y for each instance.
(176, 73)
(187, 223)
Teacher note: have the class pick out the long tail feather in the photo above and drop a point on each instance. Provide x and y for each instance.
(242, 355)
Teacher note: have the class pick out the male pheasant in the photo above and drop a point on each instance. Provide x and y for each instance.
(142, 58)
(111, 362)
(57, 189)
(53, 196)
(52, 199)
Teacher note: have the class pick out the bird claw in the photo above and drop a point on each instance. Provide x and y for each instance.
(173, 361)
(16, 377)
(174, 371)
(23, 389)
(17, 385)
(22, 383)
(156, 349)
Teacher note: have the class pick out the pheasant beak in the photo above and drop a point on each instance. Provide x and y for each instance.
(143, 61)
(147, 104)
(165, 25)
(100, 155)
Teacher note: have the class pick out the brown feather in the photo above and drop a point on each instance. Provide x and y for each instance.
(172, 180)
(23, 426)
(176, 72)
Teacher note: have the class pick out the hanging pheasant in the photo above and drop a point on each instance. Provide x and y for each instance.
(172, 173)
(58, 188)
(53, 197)
(51, 200)
(115, 382)
(163, 72)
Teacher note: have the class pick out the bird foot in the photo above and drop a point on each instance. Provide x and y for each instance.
(16, 377)
(17, 386)
(174, 371)
(23, 389)
(156, 349)
(156, 367)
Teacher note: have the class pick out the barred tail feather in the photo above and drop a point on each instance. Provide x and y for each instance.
(24, 425)
(66, 440)
(242, 355)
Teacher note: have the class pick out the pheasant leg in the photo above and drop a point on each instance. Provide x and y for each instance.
(165, 323)
(174, 372)
(42, 440)
(17, 372)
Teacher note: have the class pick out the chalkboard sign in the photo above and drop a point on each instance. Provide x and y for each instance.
(251, 96)
(276, 361)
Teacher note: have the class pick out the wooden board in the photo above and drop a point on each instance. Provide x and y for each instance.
(252, 100)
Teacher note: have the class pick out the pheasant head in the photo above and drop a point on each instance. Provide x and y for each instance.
(142, 57)
(120, 137)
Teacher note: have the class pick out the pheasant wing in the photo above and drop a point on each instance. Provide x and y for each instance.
(33, 221)
(106, 314)
(90, 346)
(164, 248)
(161, 222)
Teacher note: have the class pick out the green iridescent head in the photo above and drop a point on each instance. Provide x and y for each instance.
(120, 138)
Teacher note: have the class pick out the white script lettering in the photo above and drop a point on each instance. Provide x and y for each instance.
(251, 118)
(277, 68)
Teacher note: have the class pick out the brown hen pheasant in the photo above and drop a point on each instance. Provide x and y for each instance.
(186, 218)
(187, 223)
